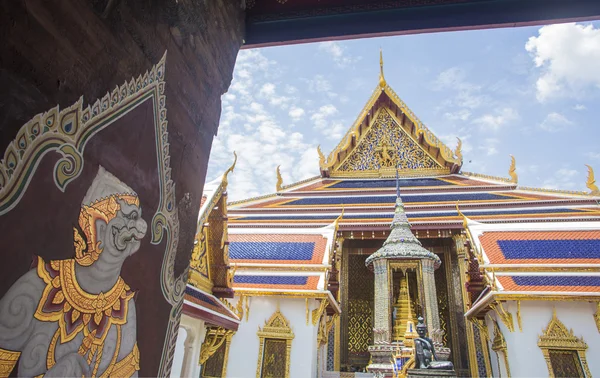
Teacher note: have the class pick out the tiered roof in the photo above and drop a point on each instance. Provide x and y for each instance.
(430, 202)
(536, 261)
(287, 261)
(283, 243)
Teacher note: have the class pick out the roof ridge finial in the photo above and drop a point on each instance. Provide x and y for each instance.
(382, 82)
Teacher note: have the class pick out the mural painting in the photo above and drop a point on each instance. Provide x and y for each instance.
(88, 199)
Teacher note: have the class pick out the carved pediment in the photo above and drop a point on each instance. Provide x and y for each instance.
(386, 146)
(386, 135)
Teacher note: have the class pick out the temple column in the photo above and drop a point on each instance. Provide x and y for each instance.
(382, 321)
(432, 315)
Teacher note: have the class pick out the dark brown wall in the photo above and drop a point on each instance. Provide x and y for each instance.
(54, 52)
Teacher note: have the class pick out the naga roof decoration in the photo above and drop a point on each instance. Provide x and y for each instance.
(386, 135)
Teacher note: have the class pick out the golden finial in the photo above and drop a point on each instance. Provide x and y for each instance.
(460, 214)
(512, 171)
(458, 151)
(278, 185)
(230, 169)
(591, 182)
(382, 82)
(321, 157)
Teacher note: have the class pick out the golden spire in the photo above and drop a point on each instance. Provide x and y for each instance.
(382, 82)
(458, 151)
(512, 171)
(591, 182)
(224, 182)
(278, 185)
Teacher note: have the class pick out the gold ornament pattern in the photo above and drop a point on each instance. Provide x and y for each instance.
(75, 310)
(387, 145)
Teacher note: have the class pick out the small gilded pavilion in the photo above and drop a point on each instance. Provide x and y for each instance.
(310, 281)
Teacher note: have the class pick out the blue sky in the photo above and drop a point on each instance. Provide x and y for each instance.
(532, 92)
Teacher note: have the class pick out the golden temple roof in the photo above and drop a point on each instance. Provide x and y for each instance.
(386, 135)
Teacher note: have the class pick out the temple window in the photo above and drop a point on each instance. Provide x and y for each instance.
(275, 347)
(563, 351)
(214, 352)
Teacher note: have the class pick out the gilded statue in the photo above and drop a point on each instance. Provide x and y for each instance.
(425, 357)
(76, 317)
(383, 154)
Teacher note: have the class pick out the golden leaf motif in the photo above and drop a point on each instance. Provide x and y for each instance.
(98, 318)
(117, 306)
(67, 307)
(56, 282)
(58, 298)
(75, 315)
(86, 318)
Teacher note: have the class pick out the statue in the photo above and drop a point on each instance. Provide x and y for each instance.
(76, 317)
(425, 357)
(383, 154)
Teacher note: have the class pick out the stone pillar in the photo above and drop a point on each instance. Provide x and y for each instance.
(381, 351)
(382, 319)
(432, 316)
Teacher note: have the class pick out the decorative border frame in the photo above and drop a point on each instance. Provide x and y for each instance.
(67, 132)
(277, 327)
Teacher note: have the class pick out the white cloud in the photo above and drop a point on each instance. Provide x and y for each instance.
(593, 155)
(320, 117)
(250, 125)
(296, 113)
(489, 146)
(465, 94)
(555, 122)
(268, 89)
(459, 115)
(568, 56)
(318, 84)
(337, 52)
(579, 107)
(494, 122)
(565, 179)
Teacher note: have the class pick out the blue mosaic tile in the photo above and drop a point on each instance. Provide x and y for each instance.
(550, 249)
(352, 184)
(453, 197)
(271, 250)
(271, 280)
(556, 281)
(200, 296)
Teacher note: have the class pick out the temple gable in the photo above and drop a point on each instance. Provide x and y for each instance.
(385, 146)
(388, 135)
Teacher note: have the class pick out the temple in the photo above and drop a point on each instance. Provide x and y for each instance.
(328, 276)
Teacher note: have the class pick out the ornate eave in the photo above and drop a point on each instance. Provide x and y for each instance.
(209, 264)
(385, 105)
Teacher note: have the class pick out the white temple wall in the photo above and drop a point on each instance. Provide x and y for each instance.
(524, 356)
(243, 352)
(187, 351)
